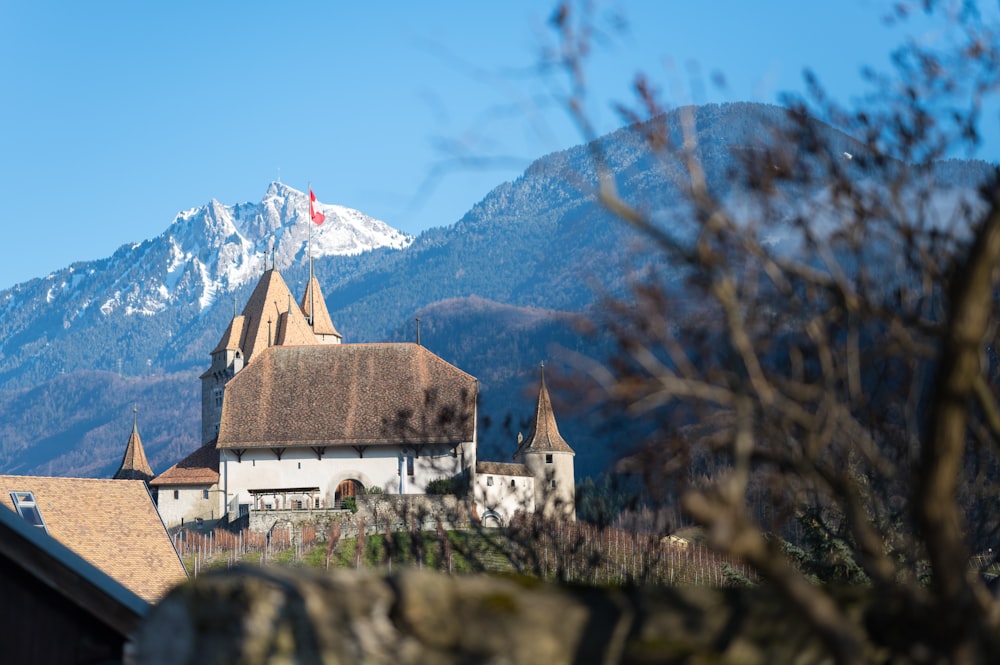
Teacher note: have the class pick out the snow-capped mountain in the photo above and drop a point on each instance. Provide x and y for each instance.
(212, 250)
(206, 254)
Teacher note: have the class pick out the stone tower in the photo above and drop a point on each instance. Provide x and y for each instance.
(550, 460)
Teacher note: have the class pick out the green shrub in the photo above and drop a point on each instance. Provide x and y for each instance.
(441, 486)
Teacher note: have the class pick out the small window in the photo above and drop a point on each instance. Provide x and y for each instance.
(409, 465)
(204, 494)
(512, 483)
(489, 481)
(548, 459)
(300, 465)
(552, 483)
(177, 494)
(27, 508)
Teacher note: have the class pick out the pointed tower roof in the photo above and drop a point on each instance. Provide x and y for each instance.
(134, 465)
(258, 325)
(313, 298)
(544, 435)
(233, 336)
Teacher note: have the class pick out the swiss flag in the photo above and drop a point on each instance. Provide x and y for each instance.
(314, 214)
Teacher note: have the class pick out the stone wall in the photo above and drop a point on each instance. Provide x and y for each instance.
(278, 615)
(379, 512)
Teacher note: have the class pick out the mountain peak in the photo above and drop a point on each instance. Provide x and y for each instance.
(279, 189)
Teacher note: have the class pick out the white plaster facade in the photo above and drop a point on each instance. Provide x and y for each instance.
(555, 482)
(181, 505)
(500, 491)
(388, 467)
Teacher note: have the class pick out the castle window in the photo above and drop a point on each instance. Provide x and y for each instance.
(489, 481)
(409, 465)
(552, 483)
(27, 508)
(177, 494)
(204, 494)
(548, 459)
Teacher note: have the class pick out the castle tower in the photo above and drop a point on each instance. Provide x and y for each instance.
(266, 320)
(134, 464)
(550, 460)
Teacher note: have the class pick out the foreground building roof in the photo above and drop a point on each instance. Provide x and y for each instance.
(348, 394)
(112, 524)
(61, 607)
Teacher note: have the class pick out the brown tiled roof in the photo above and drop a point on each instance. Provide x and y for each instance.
(199, 468)
(344, 394)
(232, 337)
(502, 469)
(113, 524)
(292, 328)
(322, 324)
(544, 435)
(134, 464)
(267, 303)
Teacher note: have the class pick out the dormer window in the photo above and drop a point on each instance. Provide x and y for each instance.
(27, 508)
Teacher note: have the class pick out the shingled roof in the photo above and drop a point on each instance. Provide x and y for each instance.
(502, 469)
(269, 317)
(112, 524)
(134, 464)
(322, 324)
(199, 468)
(544, 434)
(232, 338)
(348, 394)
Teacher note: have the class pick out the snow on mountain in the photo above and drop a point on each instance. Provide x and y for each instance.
(209, 251)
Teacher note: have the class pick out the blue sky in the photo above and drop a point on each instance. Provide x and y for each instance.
(116, 115)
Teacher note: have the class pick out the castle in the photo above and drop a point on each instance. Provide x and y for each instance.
(293, 418)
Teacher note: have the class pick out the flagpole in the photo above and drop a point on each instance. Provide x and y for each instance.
(312, 297)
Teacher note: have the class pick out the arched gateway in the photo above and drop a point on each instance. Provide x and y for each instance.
(349, 487)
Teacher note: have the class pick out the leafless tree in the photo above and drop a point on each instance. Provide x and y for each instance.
(844, 378)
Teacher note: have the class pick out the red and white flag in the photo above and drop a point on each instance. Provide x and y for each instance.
(315, 215)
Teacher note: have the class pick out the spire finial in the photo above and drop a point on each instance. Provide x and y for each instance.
(135, 416)
(418, 331)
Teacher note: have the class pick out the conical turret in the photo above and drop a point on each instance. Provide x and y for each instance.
(550, 460)
(134, 464)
